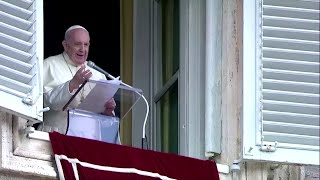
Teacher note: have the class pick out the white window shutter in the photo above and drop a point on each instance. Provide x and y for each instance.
(281, 122)
(21, 58)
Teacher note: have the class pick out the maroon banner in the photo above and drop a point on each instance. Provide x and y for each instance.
(125, 158)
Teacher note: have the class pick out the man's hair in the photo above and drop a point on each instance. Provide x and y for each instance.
(66, 34)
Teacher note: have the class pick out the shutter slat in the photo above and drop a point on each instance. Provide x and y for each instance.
(290, 128)
(283, 106)
(25, 4)
(10, 90)
(310, 56)
(291, 96)
(305, 4)
(14, 53)
(296, 146)
(17, 11)
(291, 138)
(14, 85)
(285, 75)
(15, 32)
(303, 34)
(293, 44)
(295, 118)
(15, 21)
(294, 23)
(15, 43)
(284, 11)
(15, 75)
(291, 65)
(312, 88)
(15, 64)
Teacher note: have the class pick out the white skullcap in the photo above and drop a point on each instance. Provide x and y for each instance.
(74, 27)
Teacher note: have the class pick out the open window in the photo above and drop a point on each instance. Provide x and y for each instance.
(23, 28)
(281, 81)
(173, 75)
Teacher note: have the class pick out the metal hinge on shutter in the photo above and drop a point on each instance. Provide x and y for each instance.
(268, 147)
(28, 99)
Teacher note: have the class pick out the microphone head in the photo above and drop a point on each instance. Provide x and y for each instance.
(90, 64)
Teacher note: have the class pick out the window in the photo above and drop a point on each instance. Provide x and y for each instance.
(166, 88)
(21, 56)
(178, 70)
(281, 122)
(173, 73)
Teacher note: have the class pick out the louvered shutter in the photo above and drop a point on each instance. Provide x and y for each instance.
(286, 103)
(21, 57)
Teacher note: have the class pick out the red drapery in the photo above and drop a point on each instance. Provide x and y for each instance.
(120, 156)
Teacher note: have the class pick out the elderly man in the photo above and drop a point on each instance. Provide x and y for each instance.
(63, 75)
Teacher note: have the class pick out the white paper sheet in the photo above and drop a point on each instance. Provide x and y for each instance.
(99, 95)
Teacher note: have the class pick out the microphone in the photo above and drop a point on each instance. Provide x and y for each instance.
(94, 66)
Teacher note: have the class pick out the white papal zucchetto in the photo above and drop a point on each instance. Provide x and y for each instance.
(74, 27)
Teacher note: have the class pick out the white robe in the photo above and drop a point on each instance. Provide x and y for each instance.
(56, 80)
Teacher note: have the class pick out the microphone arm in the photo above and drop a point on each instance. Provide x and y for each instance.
(94, 66)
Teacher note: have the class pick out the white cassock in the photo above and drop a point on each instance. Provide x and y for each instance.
(58, 71)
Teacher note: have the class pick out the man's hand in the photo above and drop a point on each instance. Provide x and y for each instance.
(109, 107)
(79, 78)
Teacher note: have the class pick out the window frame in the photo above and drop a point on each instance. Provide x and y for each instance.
(191, 75)
(191, 78)
(160, 89)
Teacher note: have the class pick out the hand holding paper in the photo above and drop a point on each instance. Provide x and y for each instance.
(109, 107)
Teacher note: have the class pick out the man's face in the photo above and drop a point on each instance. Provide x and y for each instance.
(77, 46)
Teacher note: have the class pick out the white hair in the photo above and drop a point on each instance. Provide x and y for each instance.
(72, 28)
